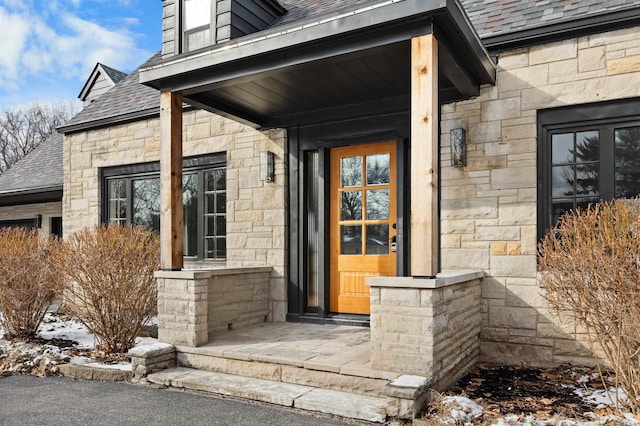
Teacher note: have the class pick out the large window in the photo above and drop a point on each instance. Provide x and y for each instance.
(132, 195)
(587, 153)
(198, 24)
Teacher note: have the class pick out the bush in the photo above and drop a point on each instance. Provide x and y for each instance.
(28, 285)
(113, 290)
(590, 266)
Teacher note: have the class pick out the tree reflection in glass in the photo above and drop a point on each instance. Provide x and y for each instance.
(350, 172)
(378, 169)
(377, 204)
(351, 205)
(190, 213)
(627, 174)
(146, 203)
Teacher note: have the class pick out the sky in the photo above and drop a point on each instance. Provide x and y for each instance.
(48, 48)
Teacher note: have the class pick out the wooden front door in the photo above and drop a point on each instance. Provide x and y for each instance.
(362, 222)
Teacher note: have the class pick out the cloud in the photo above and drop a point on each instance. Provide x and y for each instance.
(54, 43)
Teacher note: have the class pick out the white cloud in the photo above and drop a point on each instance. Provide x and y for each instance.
(55, 44)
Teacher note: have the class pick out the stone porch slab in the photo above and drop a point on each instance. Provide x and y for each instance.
(336, 349)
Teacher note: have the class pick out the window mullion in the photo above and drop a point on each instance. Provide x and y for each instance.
(607, 163)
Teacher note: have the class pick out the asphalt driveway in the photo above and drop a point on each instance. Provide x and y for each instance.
(28, 400)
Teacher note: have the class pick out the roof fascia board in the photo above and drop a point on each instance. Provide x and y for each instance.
(563, 30)
(110, 121)
(269, 41)
(31, 196)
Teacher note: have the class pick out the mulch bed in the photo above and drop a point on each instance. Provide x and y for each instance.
(542, 393)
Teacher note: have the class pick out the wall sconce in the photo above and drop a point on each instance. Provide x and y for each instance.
(458, 147)
(267, 166)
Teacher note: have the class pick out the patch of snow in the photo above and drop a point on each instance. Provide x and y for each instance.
(42, 359)
(124, 366)
(409, 381)
(462, 410)
(601, 398)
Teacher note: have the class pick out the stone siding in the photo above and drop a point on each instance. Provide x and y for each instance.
(256, 210)
(30, 211)
(192, 305)
(488, 208)
(426, 327)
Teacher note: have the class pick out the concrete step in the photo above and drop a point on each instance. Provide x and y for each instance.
(355, 382)
(348, 405)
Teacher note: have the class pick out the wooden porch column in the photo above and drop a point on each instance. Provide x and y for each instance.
(424, 156)
(171, 220)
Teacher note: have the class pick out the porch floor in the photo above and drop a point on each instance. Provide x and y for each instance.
(332, 348)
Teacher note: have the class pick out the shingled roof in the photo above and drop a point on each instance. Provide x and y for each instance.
(493, 17)
(489, 17)
(129, 99)
(41, 169)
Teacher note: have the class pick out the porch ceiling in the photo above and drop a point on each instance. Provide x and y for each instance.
(353, 65)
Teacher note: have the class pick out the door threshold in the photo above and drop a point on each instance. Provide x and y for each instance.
(337, 319)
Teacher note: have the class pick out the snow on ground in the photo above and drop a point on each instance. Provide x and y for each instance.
(61, 338)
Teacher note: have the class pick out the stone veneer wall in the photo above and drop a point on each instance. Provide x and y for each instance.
(426, 327)
(194, 304)
(30, 211)
(256, 210)
(488, 208)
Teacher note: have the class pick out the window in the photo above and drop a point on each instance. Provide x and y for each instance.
(132, 195)
(198, 24)
(587, 153)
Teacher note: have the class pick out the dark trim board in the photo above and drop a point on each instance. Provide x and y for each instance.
(322, 138)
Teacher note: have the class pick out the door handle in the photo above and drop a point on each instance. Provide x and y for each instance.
(394, 244)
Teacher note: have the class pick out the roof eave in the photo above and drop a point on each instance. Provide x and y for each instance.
(46, 194)
(308, 33)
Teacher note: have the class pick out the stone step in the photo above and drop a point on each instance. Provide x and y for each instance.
(314, 376)
(348, 405)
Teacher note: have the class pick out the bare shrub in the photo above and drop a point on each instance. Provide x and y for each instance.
(113, 290)
(590, 266)
(28, 285)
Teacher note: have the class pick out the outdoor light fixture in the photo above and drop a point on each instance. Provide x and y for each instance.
(458, 147)
(267, 166)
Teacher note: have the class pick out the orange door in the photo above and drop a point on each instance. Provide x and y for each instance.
(362, 222)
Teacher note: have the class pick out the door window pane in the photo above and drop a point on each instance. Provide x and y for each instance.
(350, 172)
(351, 205)
(350, 239)
(377, 204)
(146, 203)
(377, 239)
(215, 208)
(378, 169)
(627, 153)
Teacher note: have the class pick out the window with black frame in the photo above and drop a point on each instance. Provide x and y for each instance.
(132, 195)
(587, 154)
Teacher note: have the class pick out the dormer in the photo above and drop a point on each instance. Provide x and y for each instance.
(102, 78)
(189, 25)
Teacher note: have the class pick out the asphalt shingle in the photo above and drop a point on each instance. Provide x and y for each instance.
(40, 169)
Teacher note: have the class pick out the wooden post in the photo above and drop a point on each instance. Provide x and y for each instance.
(424, 156)
(171, 220)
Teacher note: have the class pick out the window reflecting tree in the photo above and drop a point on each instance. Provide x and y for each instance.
(627, 153)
